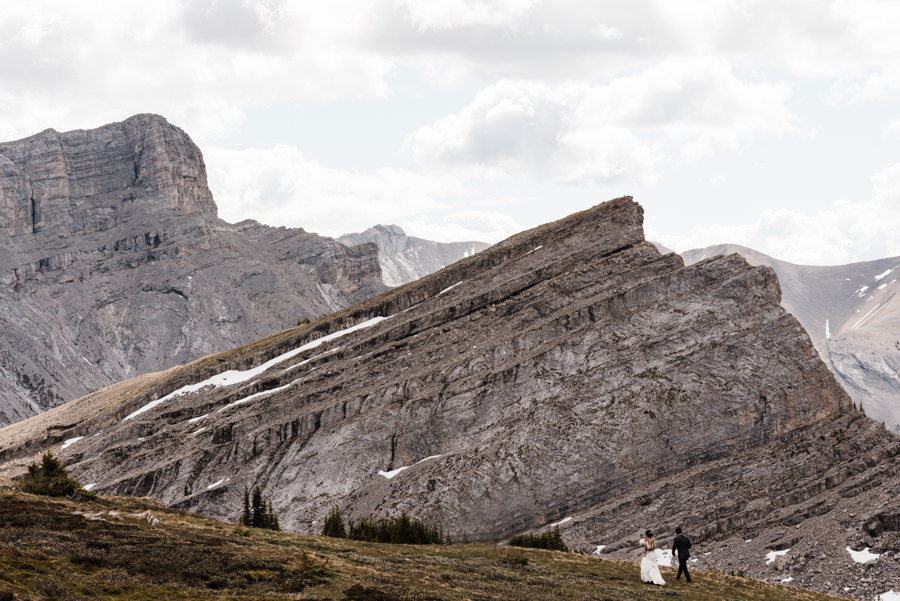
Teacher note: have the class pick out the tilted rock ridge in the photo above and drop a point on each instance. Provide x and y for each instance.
(570, 374)
(113, 263)
(852, 315)
(405, 259)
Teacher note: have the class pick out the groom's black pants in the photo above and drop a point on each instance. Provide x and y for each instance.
(682, 567)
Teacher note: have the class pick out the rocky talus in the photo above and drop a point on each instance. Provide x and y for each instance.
(113, 263)
(405, 258)
(569, 375)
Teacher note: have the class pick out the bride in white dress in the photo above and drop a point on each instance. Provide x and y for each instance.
(649, 564)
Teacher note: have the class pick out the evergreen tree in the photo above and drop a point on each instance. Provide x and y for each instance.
(258, 509)
(246, 517)
(271, 518)
(258, 512)
(50, 478)
(551, 540)
(334, 524)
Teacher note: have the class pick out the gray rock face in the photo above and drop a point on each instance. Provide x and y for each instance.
(113, 263)
(405, 258)
(852, 315)
(569, 374)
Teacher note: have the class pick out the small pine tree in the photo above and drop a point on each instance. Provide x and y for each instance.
(257, 509)
(271, 518)
(551, 540)
(51, 479)
(246, 517)
(258, 512)
(334, 524)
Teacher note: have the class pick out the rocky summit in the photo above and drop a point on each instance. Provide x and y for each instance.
(404, 259)
(570, 375)
(113, 263)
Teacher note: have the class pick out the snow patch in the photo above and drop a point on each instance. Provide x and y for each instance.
(562, 521)
(215, 484)
(665, 559)
(70, 442)
(865, 317)
(89, 486)
(771, 556)
(200, 430)
(889, 596)
(194, 420)
(599, 549)
(232, 377)
(786, 580)
(394, 472)
(258, 395)
(861, 291)
(827, 329)
(864, 556)
(449, 289)
(534, 249)
(885, 274)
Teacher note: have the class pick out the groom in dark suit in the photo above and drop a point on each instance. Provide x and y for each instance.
(680, 547)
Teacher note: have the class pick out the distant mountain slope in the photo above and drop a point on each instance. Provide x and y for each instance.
(569, 375)
(852, 315)
(405, 258)
(113, 263)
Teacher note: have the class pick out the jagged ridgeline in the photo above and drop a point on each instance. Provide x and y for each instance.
(571, 371)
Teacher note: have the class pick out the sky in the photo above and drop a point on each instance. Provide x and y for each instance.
(771, 124)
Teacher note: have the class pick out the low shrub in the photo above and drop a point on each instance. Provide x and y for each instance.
(50, 478)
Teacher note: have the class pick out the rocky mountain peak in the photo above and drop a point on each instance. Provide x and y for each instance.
(405, 258)
(59, 184)
(113, 263)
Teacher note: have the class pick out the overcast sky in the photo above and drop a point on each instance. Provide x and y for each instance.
(772, 124)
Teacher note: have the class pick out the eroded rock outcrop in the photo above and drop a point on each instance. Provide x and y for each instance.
(852, 315)
(570, 374)
(113, 263)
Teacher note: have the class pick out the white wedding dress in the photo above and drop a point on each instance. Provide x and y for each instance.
(650, 566)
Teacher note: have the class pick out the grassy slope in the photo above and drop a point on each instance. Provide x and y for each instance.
(49, 549)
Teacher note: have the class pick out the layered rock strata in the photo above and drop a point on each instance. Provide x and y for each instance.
(852, 315)
(570, 375)
(113, 263)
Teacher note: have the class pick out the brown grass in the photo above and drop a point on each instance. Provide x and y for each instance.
(59, 549)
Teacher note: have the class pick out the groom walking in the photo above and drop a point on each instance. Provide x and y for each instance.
(680, 547)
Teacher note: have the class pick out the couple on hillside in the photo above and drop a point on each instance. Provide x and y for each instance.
(649, 563)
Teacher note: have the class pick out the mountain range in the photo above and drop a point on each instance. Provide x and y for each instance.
(571, 376)
(113, 263)
(404, 259)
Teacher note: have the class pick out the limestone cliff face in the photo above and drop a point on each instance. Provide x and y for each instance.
(113, 263)
(569, 374)
(84, 181)
(405, 258)
(852, 315)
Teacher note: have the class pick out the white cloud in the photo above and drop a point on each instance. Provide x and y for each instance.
(200, 64)
(838, 234)
(280, 186)
(892, 129)
(449, 14)
(619, 131)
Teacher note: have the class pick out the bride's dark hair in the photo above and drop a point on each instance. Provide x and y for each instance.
(648, 534)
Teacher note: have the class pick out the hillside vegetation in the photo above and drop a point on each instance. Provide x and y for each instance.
(54, 548)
